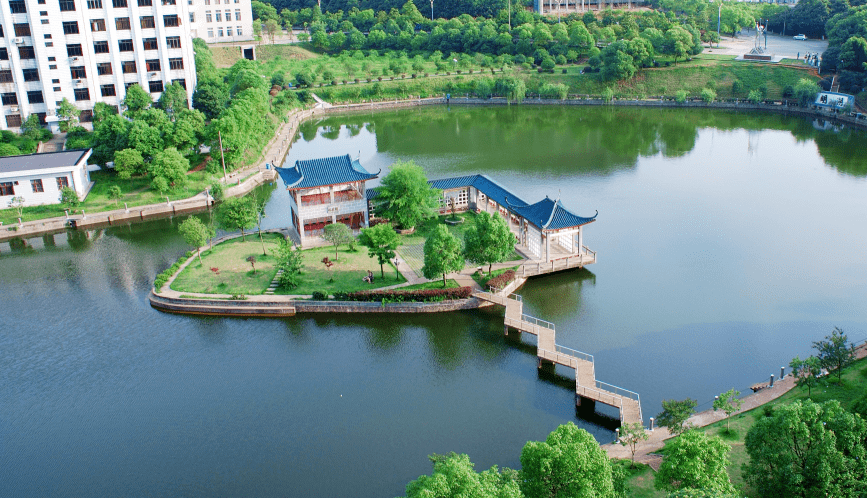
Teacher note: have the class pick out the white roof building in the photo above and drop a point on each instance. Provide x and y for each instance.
(38, 178)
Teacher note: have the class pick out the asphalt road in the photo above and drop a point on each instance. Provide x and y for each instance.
(780, 46)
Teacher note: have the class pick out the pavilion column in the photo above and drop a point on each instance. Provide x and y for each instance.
(580, 240)
(547, 246)
(300, 219)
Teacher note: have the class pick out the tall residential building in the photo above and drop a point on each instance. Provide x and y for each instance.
(89, 51)
(221, 21)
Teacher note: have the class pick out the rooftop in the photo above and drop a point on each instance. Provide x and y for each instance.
(323, 172)
(30, 162)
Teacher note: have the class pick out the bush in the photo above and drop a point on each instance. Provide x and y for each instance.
(320, 296)
(680, 96)
(755, 96)
(501, 281)
(708, 95)
(397, 296)
(737, 87)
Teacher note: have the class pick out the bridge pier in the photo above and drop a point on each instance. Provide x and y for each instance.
(584, 405)
(544, 364)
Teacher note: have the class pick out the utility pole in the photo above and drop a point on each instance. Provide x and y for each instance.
(718, 20)
(431, 10)
(222, 158)
(510, 15)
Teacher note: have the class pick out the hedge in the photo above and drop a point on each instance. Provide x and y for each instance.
(399, 296)
(501, 281)
(164, 277)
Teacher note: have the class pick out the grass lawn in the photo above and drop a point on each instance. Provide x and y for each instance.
(235, 275)
(640, 480)
(135, 192)
(348, 270)
(436, 284)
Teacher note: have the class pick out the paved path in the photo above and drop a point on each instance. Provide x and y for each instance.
(778, 45)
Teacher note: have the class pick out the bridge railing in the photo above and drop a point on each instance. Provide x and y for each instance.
(626, 393)
(574, 352)
(537, 322)
(516, 297)
(602, 397)
(558, 357)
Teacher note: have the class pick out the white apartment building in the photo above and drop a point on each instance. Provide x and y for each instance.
(221, 21)
(89, 51)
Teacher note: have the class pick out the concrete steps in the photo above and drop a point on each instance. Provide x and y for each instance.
(274, 284)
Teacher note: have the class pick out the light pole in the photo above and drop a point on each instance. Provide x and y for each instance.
(431, 10)
(718, 21)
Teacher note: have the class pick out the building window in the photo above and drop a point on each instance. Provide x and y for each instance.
(81, 94)
(35, 97)
(128, 67)
(155, 86)
(103, 68)
(47, 36)
(171, 21)
(22, 29)
(207, 2)
(52, 66)
(6, 76)
(176, 63)
(36, 185)
(17, 7)
(119, 4)
(44, 13)
(237, 15)
(192, 17)
(62, 182)
(67, 5)
(181, 82)
(97, 25)
(30, 74)
(100, 47)
(145, 3)
(169, 2)
(147, 22)
(219, 16)
(4, 54)
(125, 45)
(57, 89)
(107, 90)
(77, 73)
(208, 17)
(6, 188)
(94, 4)
(150, 44)
(13, 120)
(210, 33)
(73, 49)
(10, 98)
(70, 27)
(122, 23)
(127, 85)
(26, 53)
(220, 32)
(240, 31)
(153, 64)
(173, 41)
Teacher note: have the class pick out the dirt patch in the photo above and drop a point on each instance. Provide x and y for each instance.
(200, 166)
(225, 56)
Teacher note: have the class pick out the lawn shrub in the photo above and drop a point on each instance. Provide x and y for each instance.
(399, 296)
(320, 296)
(501, 281)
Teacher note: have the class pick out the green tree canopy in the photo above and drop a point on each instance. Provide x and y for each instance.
(806, 372)
(454, 476)
(196, 233)
(32, 128)
(488, 240)
(337, 234)
(729, 403)
(211, 99)
(68, 114)
(442, 254)
(237, 213)
(695, 460)
(128, 162)
(381, 241)
(405, 195)
(568, 463)
(806, 450)
(675, 413)
(171, 165)
(835, 352)
(136, 100)
(173, 99)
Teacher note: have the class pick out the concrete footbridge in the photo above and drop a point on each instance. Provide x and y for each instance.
(588, 390)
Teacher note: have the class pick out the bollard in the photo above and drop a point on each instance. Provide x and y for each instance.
(782, 373)
(167, 200)
(651, 424)
(83, 215)
(67, 213)
(772, 381)
(125, 207)
(617, 435)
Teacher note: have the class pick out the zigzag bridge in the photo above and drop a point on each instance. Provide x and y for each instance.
(588, 390)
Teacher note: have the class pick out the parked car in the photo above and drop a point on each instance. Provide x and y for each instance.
(800, 37)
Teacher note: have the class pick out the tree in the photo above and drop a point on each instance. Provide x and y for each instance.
(290, 264)
(568, 463)
(406, 196)
(695, 460)
(442, 254)
(305, 77)
(454, 476)
(144, 138)
(237, 213)
(211, 99)
(806, 372)
(252, 260)
(675, 413)
(173, 99)
(632, 435)
(514, 89)
(807, 449)
(68, 114)
(69, 197)
(196, 234)
(729, 403)
(806, 91)
(115, 194)
(678, 42)
(272, 28)
(172, 166)
(9, 150)
(17, 202)
(835, 352)
(337, 234)
(488, 241)
(32, 128)
(380, 241)
(127, 162)
(136, 100)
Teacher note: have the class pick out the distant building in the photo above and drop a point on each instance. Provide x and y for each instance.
(38, 178)
(326, 191)
(221, 21)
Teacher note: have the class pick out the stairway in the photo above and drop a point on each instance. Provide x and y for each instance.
(274, 284)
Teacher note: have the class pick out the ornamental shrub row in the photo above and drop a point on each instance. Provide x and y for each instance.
(164, 277)
(502, 280)
(399, 296)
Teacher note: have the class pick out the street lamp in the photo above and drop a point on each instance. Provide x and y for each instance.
(431, 10)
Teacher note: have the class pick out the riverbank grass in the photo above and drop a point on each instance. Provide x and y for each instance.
(225, 270)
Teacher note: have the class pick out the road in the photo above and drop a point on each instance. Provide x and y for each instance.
(779, 46)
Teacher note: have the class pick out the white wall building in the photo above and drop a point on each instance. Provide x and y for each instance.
(220, 21)
(38, 178)
(89, 51)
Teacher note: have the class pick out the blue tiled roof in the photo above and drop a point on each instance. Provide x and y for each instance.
(323, 172)
(545, 214)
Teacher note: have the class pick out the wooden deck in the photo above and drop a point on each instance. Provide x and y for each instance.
(586, 385)
(567, 262)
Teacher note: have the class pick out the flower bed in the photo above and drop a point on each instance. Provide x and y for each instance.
(399, 296)
(501, 281)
